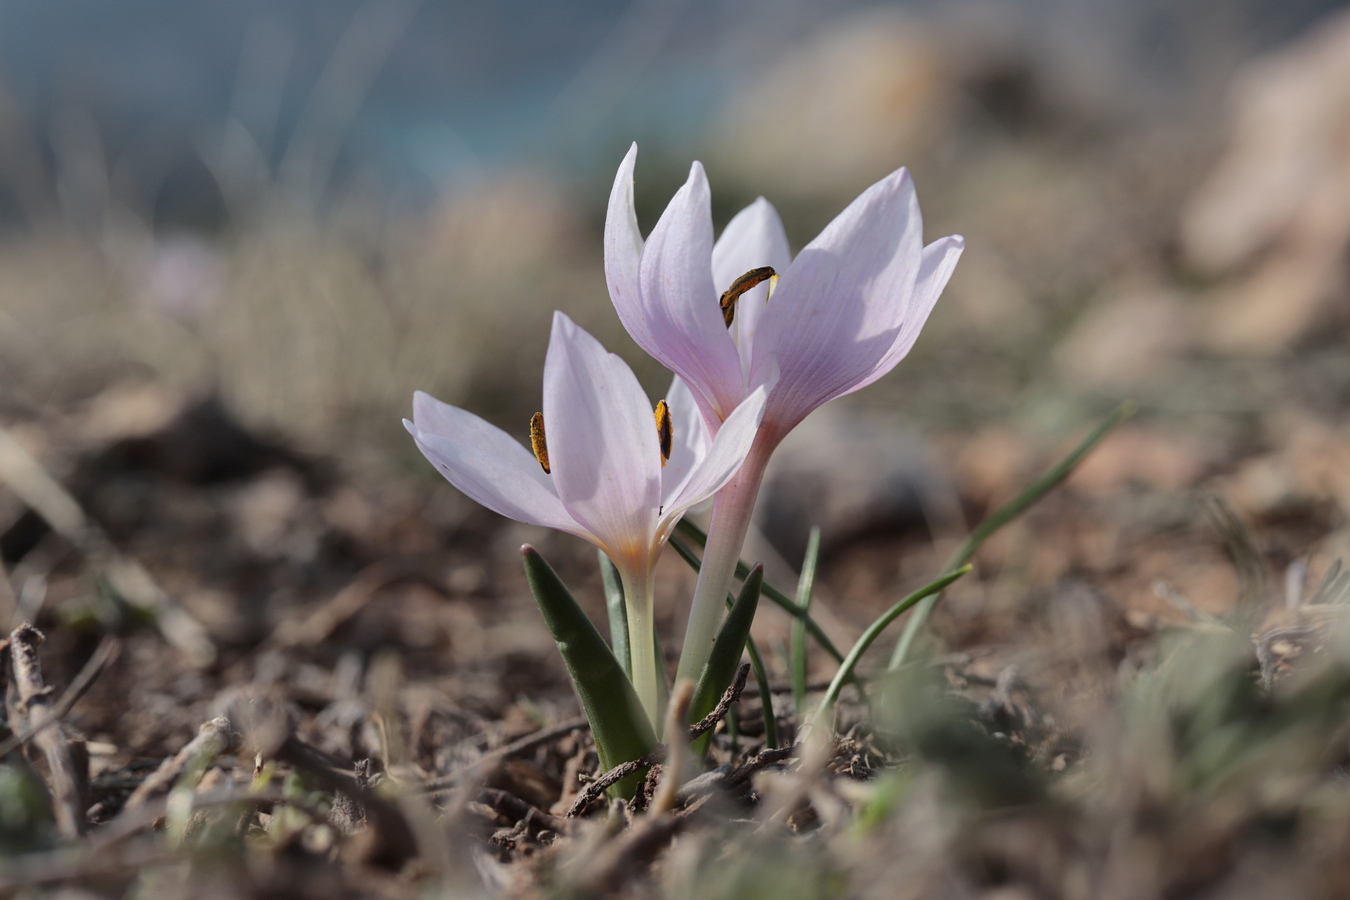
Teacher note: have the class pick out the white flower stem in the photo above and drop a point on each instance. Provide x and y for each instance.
(645, 665)
(732, 509)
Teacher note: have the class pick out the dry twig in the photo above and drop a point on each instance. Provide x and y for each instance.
(518, 810)
(729, 696)
(30, 705)
(597, 788)
(213, 738)
(106, 651)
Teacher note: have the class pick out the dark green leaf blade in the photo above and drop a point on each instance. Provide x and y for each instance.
(618, 723)
(618, 615)
(726, 652)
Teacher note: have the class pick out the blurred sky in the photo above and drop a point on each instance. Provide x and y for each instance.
(415, 94)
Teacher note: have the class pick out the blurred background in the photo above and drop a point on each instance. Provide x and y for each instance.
(316, 207)
(235, 237)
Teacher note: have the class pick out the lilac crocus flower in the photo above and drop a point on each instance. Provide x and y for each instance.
(598, 469)
(844, 312)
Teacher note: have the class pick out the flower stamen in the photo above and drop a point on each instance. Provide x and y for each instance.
(749, 280)
(537, 442)
(665, 430)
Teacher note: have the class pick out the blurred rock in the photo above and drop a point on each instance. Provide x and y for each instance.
(270, 515)
(1137, 455)
(1273, 219)
(992, 464)
(848, 471)
(858, 98)
(1125, 339)
(851, 103)
(126, 410)
(202, 443)
(1306, 470)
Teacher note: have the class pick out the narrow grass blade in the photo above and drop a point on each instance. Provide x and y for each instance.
(1245, 557)
(874, 631)
(726, 653)
(618, 616)
(618, 723)
(1019, 504)
(765, 694)
(756, 661)
(777, 597)
(805, 583)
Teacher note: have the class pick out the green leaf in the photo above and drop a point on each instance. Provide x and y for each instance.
(765, 694)
(874, 631)
(777, 597)
(780, 599)
(805, 583)
(756, 661)
(618, 616)
(618, 723)
(1019, 504)
(726, 653)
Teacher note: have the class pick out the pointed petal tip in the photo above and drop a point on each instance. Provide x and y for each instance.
(568, 332)
(901, 181)
(563, 324)
(698, 177)
(423, 404)
(412, 429)
(626, 167)
(948, 249)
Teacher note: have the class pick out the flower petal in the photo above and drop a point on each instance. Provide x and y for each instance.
(753, 238)
(487, 465)
(843, 303)
(602, 443)
(939, 261)
(690, 441)
(682, 326)
(724, 457)
(623, 252)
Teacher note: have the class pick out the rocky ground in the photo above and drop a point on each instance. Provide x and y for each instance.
(255, 649)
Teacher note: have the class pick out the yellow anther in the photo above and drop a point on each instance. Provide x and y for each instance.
(537, 442)
(747, 281)
(665, 431)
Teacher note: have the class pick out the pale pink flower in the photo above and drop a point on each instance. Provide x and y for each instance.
(608, 481)
(843, 313)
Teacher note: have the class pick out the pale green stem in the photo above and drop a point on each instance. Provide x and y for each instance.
(732, 509)
(646, 668)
